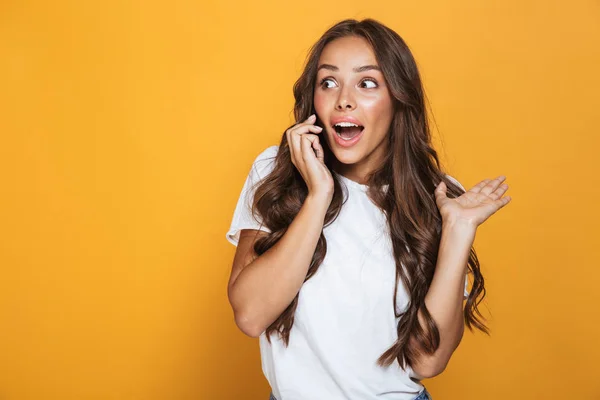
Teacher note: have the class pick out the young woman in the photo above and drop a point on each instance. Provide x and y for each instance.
(353, 245)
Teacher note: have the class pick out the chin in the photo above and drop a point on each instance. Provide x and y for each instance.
(347, 156)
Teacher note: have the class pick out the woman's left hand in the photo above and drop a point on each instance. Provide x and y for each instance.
(475, 205)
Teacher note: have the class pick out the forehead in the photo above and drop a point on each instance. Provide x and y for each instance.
(348, 52)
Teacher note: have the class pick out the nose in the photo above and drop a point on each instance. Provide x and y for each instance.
(344, 101)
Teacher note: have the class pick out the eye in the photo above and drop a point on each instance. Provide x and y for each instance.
(323, 82)
(372, 81)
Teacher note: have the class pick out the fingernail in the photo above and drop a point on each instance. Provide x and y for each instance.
(312, 117)
(318, 127)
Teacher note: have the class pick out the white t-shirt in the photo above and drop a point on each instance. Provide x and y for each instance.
(344, 319)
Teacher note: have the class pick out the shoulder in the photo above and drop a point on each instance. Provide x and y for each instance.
(456, 182)
(265, 161)
(267, 154)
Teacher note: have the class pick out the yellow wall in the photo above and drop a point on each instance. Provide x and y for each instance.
(128, 129)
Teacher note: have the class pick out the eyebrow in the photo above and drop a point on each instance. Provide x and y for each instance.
(357, 69)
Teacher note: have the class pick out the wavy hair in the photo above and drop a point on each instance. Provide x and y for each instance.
(411, 169)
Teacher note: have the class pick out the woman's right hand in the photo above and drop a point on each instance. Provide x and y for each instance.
(302, 138)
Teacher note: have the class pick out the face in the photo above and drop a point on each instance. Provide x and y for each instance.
(349, 85)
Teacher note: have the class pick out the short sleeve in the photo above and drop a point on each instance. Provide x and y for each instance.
(242, 215)
(456, 182)
(465, 293)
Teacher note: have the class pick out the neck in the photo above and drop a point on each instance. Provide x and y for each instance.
(359, 171)
(354, 172)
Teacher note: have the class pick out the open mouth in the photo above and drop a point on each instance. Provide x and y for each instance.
(348, 132)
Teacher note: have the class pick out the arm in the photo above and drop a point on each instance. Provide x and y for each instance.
(444, 300)
(260, 288)
(460, 218)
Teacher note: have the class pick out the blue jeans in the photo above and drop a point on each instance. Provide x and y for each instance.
(424, 395)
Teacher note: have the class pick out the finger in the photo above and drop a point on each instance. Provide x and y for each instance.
(477, 188)
(290, 146)
(440, 191)
(316, 145)
(503, 201)
(308, 154)
(307, 129)
(297, 148)
(294, 146)
(319, 149)
(499, 192)
(296, 135)
(310, 120)
(492, 185)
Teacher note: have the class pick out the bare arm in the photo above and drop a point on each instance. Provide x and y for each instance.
(260, 288)
(460, 218)
(444, 300)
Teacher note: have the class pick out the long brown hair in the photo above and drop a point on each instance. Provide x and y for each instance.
(411, 169)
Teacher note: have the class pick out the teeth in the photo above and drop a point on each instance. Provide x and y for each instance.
(345, 124)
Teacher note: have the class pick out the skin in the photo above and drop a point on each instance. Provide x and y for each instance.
(347, 94)
(362, 95)
(461, 217)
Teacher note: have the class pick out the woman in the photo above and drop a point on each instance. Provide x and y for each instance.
(353, 247)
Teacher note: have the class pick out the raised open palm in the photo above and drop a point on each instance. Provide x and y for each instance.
(475, 205)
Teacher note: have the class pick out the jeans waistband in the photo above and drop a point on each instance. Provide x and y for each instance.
(424, 395)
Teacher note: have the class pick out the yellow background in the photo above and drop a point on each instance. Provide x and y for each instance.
(128, 129)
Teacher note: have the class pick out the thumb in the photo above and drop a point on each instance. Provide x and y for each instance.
(440, 191)
(320, 153)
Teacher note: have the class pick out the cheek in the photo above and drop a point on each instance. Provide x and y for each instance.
(379, 110)
(319, 102)
(376, 105)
